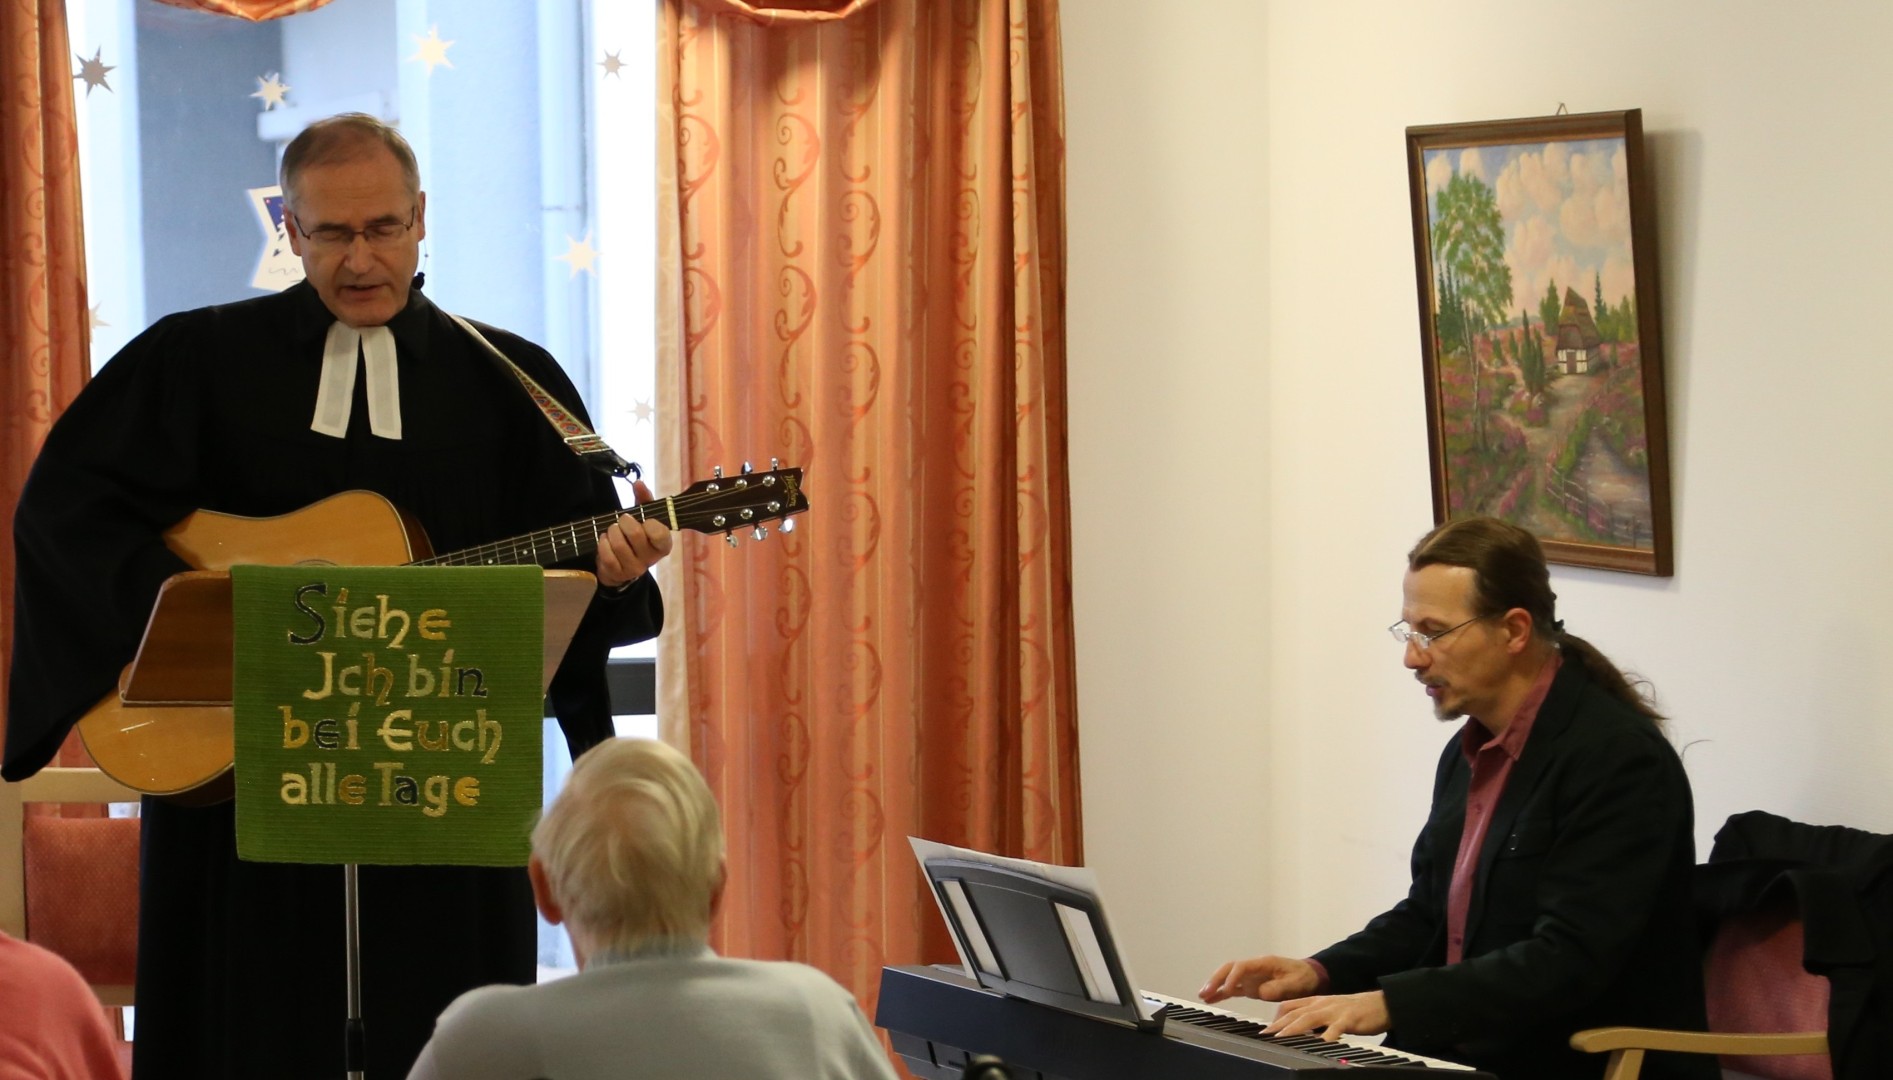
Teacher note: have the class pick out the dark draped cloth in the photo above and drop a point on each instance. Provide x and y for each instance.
(1841, 882)
(241, 965)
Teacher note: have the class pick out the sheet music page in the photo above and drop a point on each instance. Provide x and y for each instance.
(1082, 941)
(927, 849)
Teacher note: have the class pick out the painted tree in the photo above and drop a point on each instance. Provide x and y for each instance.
(1469, 245)
(1531, 357)
(1600, 312)
(1550, 307)
(1450, 331)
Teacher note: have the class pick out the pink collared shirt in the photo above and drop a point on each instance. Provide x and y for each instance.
(1491, 758)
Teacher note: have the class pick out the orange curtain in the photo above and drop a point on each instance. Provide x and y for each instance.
(252, 10)
(45, 328)
(863, 273)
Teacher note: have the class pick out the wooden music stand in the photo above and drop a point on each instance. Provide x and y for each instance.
(184, 665)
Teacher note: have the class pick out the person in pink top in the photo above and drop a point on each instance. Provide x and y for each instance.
(51, 1027)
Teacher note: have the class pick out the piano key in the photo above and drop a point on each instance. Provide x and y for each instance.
(1348, 1048)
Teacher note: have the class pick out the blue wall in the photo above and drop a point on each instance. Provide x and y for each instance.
(200, 153)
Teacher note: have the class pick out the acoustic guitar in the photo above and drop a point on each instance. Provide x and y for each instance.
(176, 744)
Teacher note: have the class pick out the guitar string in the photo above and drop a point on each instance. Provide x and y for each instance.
(568, 535)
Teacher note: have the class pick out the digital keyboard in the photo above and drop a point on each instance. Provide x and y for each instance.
(936, 1018)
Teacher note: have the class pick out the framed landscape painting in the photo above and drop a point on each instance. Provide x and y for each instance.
(1539, 326)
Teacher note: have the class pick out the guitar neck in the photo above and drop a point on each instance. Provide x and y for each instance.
(547, 547)
(720, 505)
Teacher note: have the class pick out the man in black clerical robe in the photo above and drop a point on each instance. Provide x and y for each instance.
(242, 409)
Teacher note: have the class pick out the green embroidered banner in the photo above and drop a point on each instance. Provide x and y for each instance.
(388, 715)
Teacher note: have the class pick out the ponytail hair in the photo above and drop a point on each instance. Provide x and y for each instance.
(1628, 687)
(1509, 572)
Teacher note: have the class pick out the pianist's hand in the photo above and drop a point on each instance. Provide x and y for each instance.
(1271, 978)
(1333, 1016)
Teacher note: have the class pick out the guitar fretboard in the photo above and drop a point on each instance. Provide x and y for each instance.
(712, 506)
(546, 547)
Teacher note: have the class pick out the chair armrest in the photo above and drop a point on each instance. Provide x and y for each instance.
(12, 856)
(75, 785)
(1597, 1040)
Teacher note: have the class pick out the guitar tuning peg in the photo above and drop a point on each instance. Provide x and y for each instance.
(774, 464)
(761, 533)
(716, 472)
(748, 468)
(787, 526)
(730, 539)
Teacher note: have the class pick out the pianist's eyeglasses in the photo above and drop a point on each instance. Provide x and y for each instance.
(378, 233)
(1403, 633)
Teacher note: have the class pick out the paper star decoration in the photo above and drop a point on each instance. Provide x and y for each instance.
(432, 50)
(643, 411)
(97, 319)
(270, 89)
(579, 255)
(611, 63)
(93, 71)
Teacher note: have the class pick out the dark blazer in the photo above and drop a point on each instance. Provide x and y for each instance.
(1841, 880)
(1580, 912)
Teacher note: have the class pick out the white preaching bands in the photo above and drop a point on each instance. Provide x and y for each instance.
(335, 396)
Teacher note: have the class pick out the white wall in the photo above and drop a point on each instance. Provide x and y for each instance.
(1169, 320)
(1249, 441)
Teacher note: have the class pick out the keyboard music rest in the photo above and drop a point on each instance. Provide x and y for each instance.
(937, 1017)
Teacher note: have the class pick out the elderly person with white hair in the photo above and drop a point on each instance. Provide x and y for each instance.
(630, 858)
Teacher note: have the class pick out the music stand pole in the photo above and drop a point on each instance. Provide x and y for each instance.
(354, 1036)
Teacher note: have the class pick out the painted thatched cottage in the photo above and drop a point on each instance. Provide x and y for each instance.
(1579, 345)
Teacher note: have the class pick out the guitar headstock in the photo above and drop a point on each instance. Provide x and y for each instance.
(724, 504)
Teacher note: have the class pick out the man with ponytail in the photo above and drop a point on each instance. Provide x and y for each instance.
(1550, 888)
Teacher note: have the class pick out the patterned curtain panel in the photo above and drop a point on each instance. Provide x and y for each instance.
(252, 10)
(45, 328)
(865, 258)
(770, 12)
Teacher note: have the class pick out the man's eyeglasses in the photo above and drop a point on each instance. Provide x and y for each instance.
(1403, 633)
(378, 233)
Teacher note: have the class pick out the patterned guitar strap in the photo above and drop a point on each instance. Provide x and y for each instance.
(581, 440)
